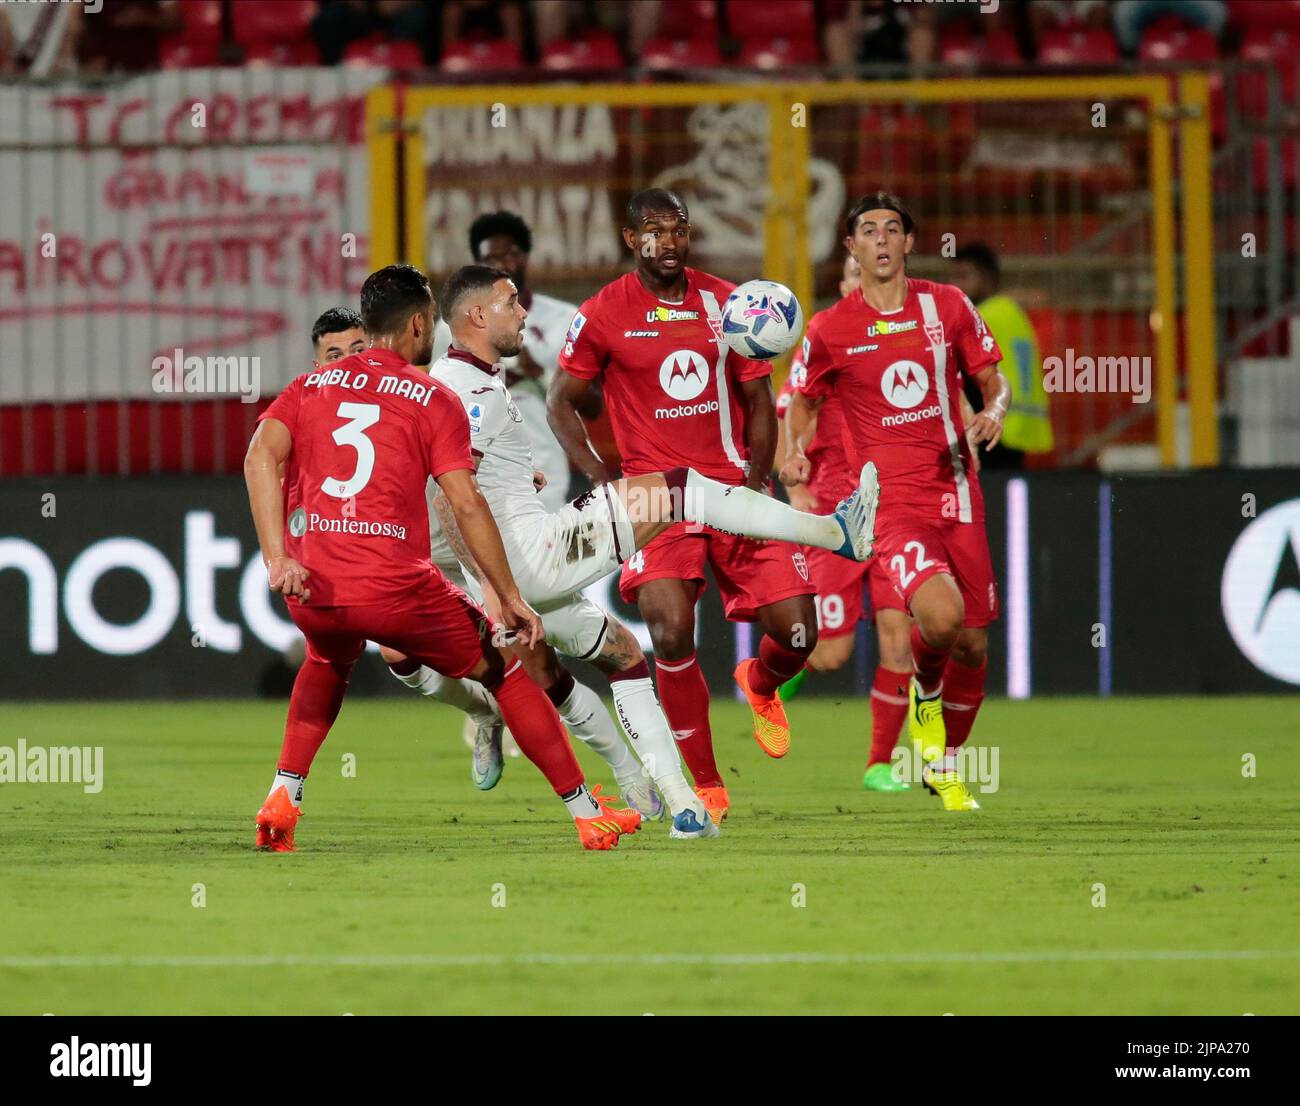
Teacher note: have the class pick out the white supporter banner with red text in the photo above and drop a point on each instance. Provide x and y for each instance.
(216, 212)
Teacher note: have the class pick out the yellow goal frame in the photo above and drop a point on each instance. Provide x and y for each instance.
(392, 113)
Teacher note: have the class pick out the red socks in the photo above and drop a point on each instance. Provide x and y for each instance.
(538, 730)
(928, 662)
(314, 704)
(888, 713)
(684, 696)
(963, 692)
(776, 664)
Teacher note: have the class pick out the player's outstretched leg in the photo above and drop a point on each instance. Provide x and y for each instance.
(314, 704)
(789, 636)
(647, 729)
(487, 760)
(655, 502)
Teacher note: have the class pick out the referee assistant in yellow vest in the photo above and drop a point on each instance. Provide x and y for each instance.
(1027, 428)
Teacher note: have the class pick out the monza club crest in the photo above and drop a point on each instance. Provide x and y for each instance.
(800, 565)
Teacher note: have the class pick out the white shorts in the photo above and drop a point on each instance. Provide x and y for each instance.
(570, 548)
(574, 625)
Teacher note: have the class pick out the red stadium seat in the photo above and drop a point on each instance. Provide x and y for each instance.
(269, 55)
(594, 51)
(959, 47)
(1265, 13)
(1080, 46)
(689, 19)
(1275, 46)
(173, 53)
(201, 22)
(1188, 44)
(380, 53)
(780, 53)
(771, 19)
(682, 53)
(471, 55)
(272, 20)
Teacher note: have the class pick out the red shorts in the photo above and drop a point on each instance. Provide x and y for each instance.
(435, 623)
(840, 584)
(911, 550)
(750, 574)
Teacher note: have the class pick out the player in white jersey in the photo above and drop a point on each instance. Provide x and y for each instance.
(502, 239)
(554, 555)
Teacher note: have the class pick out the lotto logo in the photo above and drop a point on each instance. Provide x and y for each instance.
(905, 384)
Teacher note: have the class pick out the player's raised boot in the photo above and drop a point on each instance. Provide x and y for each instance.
(602, 831)
(643, 797)
(716, 801)
(276, 821)
(771, 727)
(487, 762)
(880, 777)
(925, 722)
(856, 514)
(945, 783)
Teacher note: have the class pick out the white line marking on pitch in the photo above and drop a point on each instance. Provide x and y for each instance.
(596, 960)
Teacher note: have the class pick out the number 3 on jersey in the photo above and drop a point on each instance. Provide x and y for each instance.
(898, 564)
(360, 416)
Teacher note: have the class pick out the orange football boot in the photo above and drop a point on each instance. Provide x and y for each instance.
(276, 821)
(716, 801)
(771, 727)
(602, 831)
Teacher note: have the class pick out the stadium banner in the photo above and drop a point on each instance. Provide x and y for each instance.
(154, 588)
(205, 217)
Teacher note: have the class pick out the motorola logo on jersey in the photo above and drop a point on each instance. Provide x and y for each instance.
(684, 374)
(905, 384)
(1260, 592)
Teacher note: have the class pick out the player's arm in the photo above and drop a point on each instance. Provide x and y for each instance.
(986, 426)
(263, 464)
(451, 531)
(564, 401)
(760, 429)
(800, 429)
(478, 530)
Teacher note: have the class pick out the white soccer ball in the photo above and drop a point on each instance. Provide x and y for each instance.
(761, 320)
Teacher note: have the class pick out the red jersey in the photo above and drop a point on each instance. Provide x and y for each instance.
(368, 431)
(670, 383)
(833, 476)
(898, 377)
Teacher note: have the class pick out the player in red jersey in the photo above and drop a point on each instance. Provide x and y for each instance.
(359, 441)
(840, 583)
(893, 353)
(676, 395)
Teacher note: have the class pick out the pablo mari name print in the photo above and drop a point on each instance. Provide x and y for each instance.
(389, 385)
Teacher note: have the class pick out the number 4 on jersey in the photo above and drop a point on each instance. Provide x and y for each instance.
(361, 417)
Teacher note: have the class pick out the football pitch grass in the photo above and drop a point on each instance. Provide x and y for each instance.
(413, 893)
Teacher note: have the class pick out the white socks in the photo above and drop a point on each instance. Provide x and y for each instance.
(642, 719)
(740, 510)
(585, 715)
(464, 695)
(292, 782)
(580, 804)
